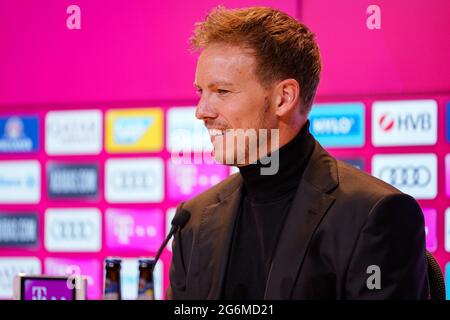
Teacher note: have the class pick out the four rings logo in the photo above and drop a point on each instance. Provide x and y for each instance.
(414, 174)
(134, 180)
(409, 176)
(73, 230)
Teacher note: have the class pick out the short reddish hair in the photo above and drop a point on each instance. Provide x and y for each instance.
(284, 47)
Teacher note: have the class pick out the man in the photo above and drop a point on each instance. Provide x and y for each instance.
(317, 228)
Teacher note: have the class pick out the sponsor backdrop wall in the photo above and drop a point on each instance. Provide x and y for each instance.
(90, 121)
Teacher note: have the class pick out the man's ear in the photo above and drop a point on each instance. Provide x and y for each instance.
(287, 97)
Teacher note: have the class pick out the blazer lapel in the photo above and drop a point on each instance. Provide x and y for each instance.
(214, 241)
(309, 206)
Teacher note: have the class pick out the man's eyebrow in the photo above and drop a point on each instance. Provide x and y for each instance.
(215, 84)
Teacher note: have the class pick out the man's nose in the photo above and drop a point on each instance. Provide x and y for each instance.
(204, 110)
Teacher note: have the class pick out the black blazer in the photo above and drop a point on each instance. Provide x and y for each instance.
(341, 222)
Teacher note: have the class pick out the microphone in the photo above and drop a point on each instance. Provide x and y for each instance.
(178, 223)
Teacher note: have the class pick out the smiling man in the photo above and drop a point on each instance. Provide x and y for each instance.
(315, 228)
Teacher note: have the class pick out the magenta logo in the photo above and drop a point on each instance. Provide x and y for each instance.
(430, 229)
(386, 122)
(40, 289)
(447, 174)
(188, 180)
(134, 229)
(90, 268)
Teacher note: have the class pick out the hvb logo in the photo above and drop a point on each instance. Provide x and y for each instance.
(338, 125)
(401, 123)
(406, 122)
(386, 122)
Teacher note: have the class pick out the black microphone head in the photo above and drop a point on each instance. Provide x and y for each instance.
(180, 219)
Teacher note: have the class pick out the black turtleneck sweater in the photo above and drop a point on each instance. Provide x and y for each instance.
(265, 203)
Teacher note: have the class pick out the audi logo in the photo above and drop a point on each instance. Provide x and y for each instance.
(409, 176)
(135, 180)
(72, 230)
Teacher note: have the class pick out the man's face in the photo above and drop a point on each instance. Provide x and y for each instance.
(232, 98)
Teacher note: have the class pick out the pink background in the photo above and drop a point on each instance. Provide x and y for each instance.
(135, 54)
(137, 51)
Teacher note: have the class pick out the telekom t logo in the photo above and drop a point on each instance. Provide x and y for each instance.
(185, 176)
(125, 228)
(39, 293)
(188, 176)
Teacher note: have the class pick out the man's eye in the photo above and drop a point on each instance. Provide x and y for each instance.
(221, 91)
